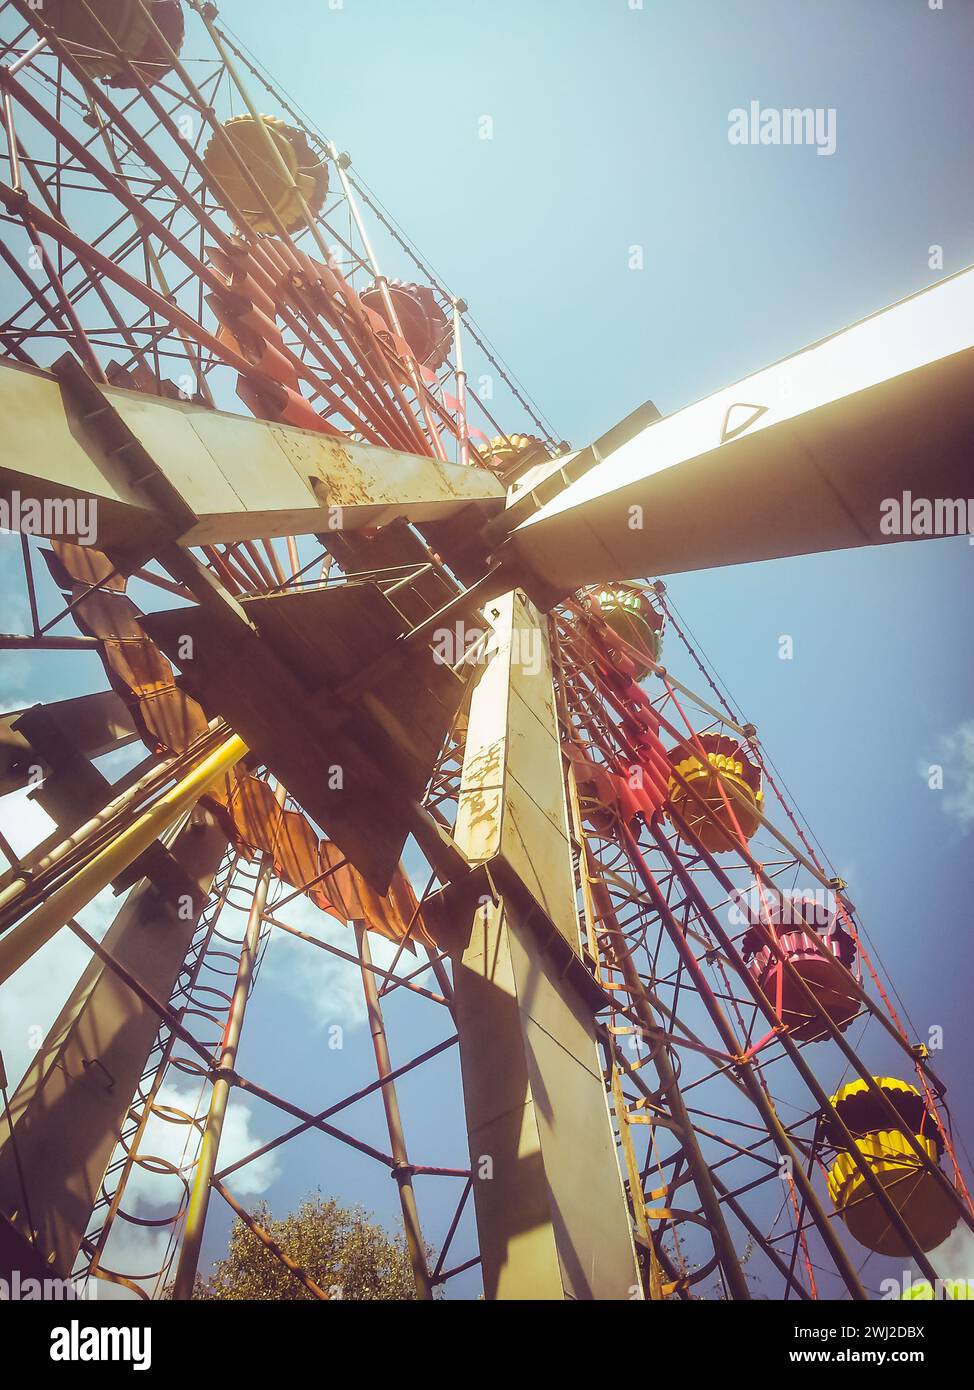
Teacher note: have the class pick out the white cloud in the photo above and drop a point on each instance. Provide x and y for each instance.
(130, 1250)
(139, 1251)
(23, 822)
(14, 681)
(329, 988)
(956, 756)
(172, 1139)
(32, 998)
(955, 1258)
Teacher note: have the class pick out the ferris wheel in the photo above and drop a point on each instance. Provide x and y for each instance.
(372, 639)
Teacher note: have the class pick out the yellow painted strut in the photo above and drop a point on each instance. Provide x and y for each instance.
(50, 916)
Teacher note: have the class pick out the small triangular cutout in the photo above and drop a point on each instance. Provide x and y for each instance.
(729, 431)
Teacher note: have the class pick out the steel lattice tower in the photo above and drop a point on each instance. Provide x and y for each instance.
(353, 626)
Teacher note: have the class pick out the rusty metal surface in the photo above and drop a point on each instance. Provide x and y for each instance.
(512, 802)
(258, 823)
(165, 716)
(241, 478)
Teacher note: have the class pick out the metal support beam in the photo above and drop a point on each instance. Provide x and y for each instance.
(795, 459)
(70, 1107)
(199, 1201)
(551, 1208)
(97, 724)
(50, 916)
(243, 479)
(402, 1172)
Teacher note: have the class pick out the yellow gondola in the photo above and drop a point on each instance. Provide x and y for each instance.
(916, 1193)
(729, 785)
(306, 178)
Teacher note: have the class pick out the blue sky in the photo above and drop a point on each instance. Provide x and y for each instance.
(610, 132)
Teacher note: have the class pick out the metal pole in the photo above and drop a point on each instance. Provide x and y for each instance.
(745, 1070)
(210, 1143)
(21, 943)
(387, 301)
(402, 1172)
(461, 385)
(30, 867)
(617, 949)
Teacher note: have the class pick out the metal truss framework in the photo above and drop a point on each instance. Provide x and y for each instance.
(120, 255)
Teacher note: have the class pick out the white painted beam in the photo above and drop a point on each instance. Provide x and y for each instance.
(797, 458)
(242, 478)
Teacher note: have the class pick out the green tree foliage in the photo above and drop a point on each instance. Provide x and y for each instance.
(343, 1250)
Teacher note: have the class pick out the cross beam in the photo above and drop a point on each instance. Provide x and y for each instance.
(798, 458)
(241, 478)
